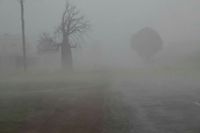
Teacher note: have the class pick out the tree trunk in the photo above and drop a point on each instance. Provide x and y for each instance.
(66, 55)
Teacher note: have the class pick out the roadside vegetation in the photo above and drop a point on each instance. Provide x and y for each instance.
(60, 102)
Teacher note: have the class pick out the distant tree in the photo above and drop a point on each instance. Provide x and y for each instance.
(47, 44)
(72, 26)
(147, 43)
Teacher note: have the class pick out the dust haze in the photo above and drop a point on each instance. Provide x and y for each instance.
(133, 64)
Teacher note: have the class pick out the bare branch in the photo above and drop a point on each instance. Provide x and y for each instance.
(46, 43)
(79, 27)
(72, 21)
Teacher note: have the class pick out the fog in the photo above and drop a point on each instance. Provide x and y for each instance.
(112, 23)
(99, 66)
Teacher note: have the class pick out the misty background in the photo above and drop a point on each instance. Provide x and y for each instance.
(113, 24)
(134, 68)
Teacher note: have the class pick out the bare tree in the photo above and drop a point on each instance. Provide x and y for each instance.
(73, 24)
(47, 44)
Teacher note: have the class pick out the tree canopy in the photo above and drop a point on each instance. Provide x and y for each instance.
(147, 42)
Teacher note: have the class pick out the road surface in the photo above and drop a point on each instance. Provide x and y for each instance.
(161, 104)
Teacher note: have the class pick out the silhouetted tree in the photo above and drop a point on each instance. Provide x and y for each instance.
(47, 44)
(147, 42)
(73, 24)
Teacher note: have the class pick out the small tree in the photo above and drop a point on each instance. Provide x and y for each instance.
(147, 42)
(73, 24)
(47, 44)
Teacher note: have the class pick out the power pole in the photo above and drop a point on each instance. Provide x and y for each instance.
(23, 35)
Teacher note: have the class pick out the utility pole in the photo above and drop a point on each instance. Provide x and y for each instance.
(23, 35)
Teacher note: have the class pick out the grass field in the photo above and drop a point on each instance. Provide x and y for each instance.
(59, 102)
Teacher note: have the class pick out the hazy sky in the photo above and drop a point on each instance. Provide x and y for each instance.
(109, 18)
(113, 21)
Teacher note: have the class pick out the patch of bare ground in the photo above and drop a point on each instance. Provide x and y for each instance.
(82, 113)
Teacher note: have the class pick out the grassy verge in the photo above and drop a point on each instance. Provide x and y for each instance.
(49, 103)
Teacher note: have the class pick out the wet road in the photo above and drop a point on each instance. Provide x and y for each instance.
(161, 104)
